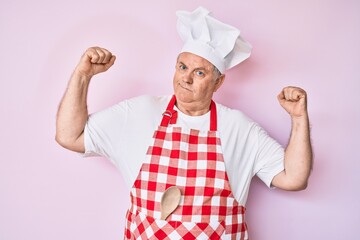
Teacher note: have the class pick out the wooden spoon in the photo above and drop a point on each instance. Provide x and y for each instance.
(169, 201)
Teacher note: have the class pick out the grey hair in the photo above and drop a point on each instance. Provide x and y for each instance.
(216, 71)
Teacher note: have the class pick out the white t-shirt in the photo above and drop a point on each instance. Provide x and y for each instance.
(123, 132)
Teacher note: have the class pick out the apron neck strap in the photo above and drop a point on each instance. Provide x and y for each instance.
(170, 115)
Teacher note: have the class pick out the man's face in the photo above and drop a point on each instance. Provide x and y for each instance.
(195, 80)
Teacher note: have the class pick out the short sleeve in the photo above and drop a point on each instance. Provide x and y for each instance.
(269, 157)
(102, 130)
(92, 145)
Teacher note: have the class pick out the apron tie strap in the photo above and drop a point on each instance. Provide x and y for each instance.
(213, 116)
(170, 115)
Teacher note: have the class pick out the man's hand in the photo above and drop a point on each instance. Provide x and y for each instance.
(294, 101)
(95, 60)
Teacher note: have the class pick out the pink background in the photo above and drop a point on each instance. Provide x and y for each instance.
(47, 192)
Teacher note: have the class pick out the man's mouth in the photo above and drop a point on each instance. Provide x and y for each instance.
(185, 88)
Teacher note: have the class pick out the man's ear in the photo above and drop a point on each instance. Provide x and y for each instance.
(219, 81)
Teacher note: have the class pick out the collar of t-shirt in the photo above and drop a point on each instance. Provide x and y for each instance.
(201, 123)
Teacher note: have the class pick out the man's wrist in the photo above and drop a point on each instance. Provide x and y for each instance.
(81, 76)
(302, 120)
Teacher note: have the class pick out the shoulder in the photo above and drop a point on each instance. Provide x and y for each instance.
(136, 107)
(148, 99)
(234, 122)
(232, 116)
(143, 102)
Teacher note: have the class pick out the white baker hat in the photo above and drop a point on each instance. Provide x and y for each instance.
(207, 37)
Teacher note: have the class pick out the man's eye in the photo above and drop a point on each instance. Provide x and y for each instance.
(199, 73)
(182, 67)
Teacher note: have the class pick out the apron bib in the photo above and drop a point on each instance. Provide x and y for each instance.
(191, 160)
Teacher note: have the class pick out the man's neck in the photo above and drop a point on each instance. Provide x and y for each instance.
(193, 109)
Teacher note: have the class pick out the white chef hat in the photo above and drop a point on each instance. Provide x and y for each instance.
(207, 37)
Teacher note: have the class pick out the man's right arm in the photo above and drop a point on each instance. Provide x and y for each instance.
(72, 113)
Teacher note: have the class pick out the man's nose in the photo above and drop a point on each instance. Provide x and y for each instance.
(187, 77)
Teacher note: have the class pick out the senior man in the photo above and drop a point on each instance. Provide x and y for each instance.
(188, 161)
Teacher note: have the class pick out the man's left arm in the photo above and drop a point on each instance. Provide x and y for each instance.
(298, 153)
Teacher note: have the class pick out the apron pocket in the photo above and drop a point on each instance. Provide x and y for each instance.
(145, 227)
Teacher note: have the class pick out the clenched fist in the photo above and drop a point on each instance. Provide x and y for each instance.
(95, 60)
(294, 101)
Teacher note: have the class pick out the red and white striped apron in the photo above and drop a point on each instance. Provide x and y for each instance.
(193, 161)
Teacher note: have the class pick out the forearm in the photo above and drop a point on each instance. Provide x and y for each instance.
(72, 113)
(298, 153)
